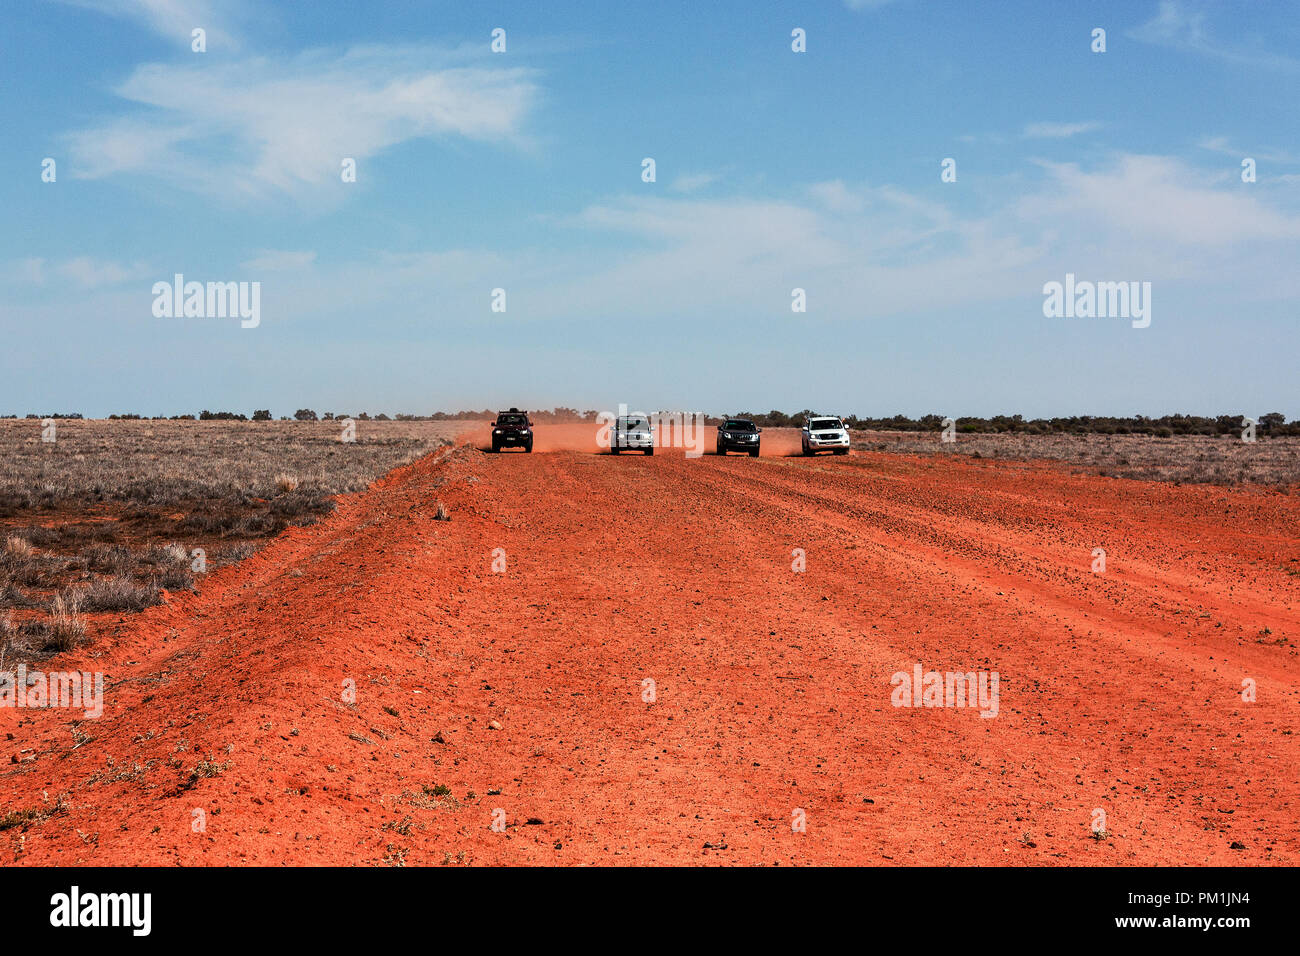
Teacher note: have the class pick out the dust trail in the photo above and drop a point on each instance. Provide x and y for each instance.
(582, 438)
(478, 434)
(780, 443)
(773, 442)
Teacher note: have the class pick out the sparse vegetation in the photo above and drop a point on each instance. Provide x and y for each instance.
(1270, 425)
(107, 517)
(32, 815)
(1185, 458)
(394, 855)
(119, 593)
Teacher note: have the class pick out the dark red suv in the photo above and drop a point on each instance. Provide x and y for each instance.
(512, 429)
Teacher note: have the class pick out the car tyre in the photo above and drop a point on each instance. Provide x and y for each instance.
(753, 453)
(650, 451)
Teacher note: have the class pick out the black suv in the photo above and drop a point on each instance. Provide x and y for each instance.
(738, 434)
(512, 429)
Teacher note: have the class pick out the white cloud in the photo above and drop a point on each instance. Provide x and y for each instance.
(279, 260)
(858, 251)
(880, 250)
(1181, 26)
(1159, 198)
(1220, 145)
(1058, 130)
(690, 182)
(861, 251)
(28, 270)
(834, 195)
(261, 125)
(85, 271)
(173, 18)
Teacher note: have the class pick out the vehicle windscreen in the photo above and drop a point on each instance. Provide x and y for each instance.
(633, 424)
(738, 426)
(826, 424)
(512, 420)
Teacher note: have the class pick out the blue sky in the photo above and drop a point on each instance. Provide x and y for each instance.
(774, 170)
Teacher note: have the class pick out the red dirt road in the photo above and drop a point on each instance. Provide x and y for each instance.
(1119, 691)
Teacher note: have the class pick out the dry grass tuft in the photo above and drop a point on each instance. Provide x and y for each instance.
(67, 628)
(119, 593)
(17, 547)
(11, 641)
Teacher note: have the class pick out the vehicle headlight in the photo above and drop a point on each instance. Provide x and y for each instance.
(496, 431)
(726, 434)
(523, 431)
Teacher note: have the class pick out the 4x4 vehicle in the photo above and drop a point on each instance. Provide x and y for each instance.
(633, 432)
(738, 434)
(512, 429)
(825, 433)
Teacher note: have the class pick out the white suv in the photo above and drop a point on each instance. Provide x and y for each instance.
(824, 433)
(633, 433)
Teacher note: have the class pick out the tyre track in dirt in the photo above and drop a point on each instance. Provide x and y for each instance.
(771, 687)
(1058, 543)
(1167, 711)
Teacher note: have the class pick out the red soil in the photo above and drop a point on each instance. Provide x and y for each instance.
(1119, 691)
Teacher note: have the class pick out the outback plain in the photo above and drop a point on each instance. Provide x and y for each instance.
(402, 649)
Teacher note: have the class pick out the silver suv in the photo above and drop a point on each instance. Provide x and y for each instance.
(825, 433)
(633, 432)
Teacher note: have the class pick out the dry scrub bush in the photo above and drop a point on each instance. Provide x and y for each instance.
(119, 593)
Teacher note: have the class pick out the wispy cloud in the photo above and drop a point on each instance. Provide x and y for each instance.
(1183, 26)
(1158, 198)
(1058, 130)
(1221, 145)
(290, 123)
(279, 260)
(86, 272)
(860, 250)
(836, 196)
(174, 18)
(690, 182)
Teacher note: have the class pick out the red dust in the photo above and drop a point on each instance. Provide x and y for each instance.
(586, 438)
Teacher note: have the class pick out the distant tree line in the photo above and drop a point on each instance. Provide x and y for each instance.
(1166, 426)
(1272, 424)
